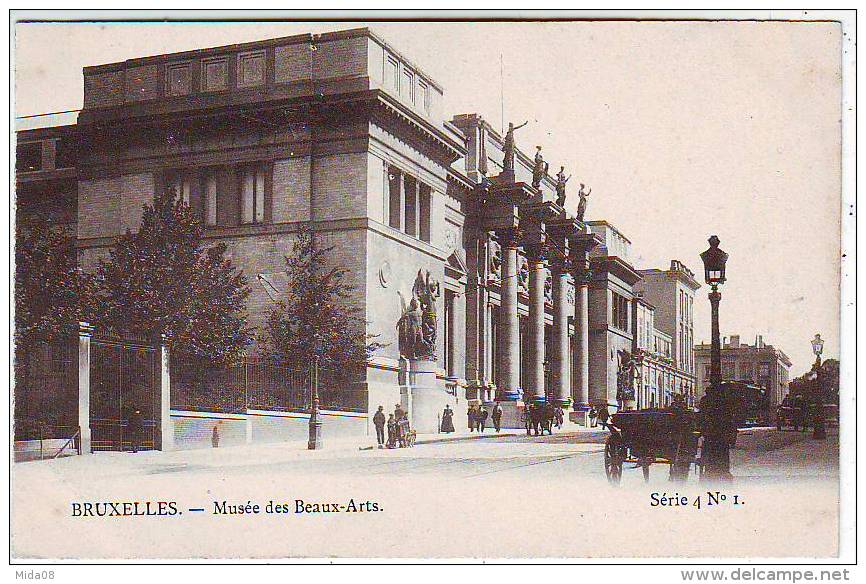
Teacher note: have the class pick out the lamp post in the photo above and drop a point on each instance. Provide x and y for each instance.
(717, 418)
(819, 432)
(315, 441)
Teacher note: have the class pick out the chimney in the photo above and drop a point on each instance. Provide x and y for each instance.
(735, 341)
(724, 341)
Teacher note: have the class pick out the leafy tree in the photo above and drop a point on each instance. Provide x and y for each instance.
(317, 307)
(829, 381)
(161, 280)
(48, 285)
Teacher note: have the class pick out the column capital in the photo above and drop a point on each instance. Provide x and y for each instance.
(509, 237)
(85, 329)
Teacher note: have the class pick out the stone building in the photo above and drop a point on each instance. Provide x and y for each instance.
(760, 364)
(672, 293)
(342, 131)
(611, 294)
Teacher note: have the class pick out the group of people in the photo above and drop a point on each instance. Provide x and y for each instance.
(598, 415)
(397, 426)
(477, 417)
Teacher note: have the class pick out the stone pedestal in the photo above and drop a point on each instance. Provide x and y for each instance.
(423, 396)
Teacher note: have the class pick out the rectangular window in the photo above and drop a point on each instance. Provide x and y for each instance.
(180, 184)
(620, 312)
(424, 196)
(410, 186)
(395, 203)
(28, 157)
(210, 190)
(252, 183)
(65, 153)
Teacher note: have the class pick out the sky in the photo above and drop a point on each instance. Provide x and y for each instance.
(682, 130)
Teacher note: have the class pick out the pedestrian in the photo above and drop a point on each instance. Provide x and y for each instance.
(135, 425)
(471, 416)
(215, 436)
(448, 420)
(527, 418)
(593, 417)
(603, 415)
(482, 419)
(399, 412)
(558, 416)
(403, 430)
(392, 431)
(496, 416)
(379, 423)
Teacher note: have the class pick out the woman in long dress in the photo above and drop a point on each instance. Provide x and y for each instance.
(448, 420)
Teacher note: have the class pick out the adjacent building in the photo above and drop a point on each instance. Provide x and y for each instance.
(759, 364)
(672, 293)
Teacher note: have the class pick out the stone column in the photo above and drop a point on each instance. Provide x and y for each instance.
(453, 367)
(85, 331)
(535, 325)
(165, 428)
(581, 331)
(508, 349)
(560, 347)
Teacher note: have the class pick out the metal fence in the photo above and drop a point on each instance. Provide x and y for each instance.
(255, 383)
(46, 391)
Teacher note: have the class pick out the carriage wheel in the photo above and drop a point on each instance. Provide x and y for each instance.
(612, 461)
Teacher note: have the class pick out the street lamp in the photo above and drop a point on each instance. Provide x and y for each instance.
(819, 432)
(315, 441)
(715, 408)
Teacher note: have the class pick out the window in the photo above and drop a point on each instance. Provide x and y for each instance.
(252, 183)
(65, 153)
(181, 185)
(395, 204)
(620, 312)
(28, 157)
(424, 213)
(410, 186)
(210, 190)
(409, 204)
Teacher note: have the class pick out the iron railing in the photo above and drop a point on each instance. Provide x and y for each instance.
(260, 384)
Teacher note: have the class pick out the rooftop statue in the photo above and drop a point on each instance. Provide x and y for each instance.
(581, 206)
(509, 147)
(539, 170)
(560, 186)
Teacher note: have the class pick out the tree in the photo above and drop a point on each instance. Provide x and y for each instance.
(829, 381)
(318, 307)
(161, 280)
(49, 288)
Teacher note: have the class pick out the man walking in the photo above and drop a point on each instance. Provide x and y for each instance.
(379, 422)
(482, 419)
(497, 417)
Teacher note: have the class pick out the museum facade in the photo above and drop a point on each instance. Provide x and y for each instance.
(343, 132)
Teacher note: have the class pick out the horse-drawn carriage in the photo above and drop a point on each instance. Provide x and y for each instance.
(649, 437)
